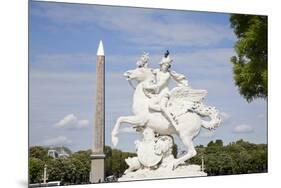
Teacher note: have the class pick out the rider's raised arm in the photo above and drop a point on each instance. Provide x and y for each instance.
(179, 78)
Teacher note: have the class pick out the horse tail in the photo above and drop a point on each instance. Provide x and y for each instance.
(212, 113)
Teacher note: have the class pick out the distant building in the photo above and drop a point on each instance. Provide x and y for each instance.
(53, 153)
(58, 153)
(63, 154)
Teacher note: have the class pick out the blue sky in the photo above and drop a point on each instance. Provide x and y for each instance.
(63, 40)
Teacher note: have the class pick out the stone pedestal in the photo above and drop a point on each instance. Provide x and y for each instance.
(155, 160)
(97, 168)
(163, 173)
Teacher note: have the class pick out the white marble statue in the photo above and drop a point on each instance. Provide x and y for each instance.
(160, 113)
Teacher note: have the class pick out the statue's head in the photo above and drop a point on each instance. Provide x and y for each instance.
(166, 61)
(143, 61)
(139, 74)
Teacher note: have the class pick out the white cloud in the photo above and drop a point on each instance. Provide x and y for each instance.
(57, 141)
(66, 121)
(243, 128)
(142, 26)
(70, 121)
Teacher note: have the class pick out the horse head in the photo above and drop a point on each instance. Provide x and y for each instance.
(139, 74)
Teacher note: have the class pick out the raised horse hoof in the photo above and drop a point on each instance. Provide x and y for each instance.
(114, 140)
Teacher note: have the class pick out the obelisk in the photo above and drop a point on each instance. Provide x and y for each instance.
(97, 157)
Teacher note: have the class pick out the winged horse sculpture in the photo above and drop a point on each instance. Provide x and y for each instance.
(184, 104)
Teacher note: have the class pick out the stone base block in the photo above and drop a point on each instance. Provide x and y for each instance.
(163, 173)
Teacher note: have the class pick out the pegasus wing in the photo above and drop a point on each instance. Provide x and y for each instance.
(182, 98)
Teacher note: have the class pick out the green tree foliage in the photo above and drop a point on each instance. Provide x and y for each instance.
(36, 168)
(235, 158)
(108, 161)
(175, 150)
(38, 152)
(82, 163)
(73, 170)
(115, 161)
(250, 64)
(55, 170)
(239, 157)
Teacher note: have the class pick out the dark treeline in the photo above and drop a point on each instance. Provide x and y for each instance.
(235, 158)
(115, 161)
(238, 157)
(74, 169)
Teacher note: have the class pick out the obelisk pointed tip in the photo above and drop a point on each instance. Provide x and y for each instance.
(100, 51)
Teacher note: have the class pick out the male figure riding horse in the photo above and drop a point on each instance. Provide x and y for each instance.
(158, 89)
